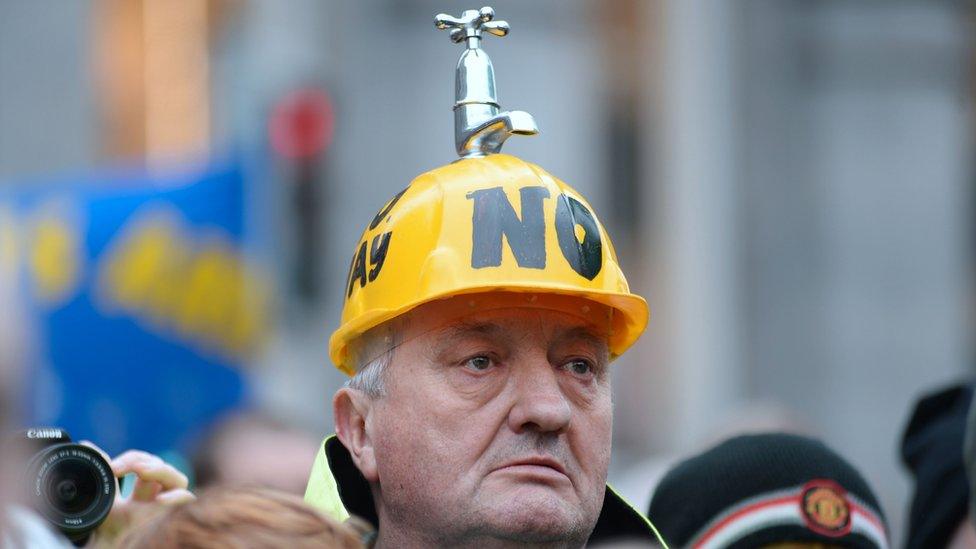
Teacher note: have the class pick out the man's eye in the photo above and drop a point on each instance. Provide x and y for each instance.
(579, 367)
(478, 363)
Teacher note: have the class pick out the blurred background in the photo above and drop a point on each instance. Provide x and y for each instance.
(789, 183)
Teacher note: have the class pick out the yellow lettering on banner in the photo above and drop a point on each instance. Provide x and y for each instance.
(192, 285)
(211, 292)
(136, 276)
(208, 279)
(55, 258)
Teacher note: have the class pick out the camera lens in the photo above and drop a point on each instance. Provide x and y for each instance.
(71, 486)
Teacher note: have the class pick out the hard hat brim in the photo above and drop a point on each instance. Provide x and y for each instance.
(629, 321)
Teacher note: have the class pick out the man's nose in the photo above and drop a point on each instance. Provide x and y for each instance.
(540, 403)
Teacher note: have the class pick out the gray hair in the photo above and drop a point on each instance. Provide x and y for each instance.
(370, 378)
(373, 352)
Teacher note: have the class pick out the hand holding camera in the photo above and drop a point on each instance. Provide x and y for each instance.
(74, 486)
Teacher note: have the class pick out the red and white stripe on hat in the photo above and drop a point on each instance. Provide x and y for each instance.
(821, 506)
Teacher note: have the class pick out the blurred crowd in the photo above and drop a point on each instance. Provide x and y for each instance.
(754, 490)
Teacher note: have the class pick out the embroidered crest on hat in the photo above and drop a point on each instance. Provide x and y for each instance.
(825, 508)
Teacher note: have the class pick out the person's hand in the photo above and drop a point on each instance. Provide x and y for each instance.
(157, 486)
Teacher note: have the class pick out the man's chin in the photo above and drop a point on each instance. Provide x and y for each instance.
(538, 513)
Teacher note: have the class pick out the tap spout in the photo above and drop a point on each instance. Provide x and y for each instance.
(489, 136)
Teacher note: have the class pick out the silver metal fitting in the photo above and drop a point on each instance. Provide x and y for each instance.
(479, 128)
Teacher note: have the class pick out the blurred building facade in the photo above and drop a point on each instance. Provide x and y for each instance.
(789, 183)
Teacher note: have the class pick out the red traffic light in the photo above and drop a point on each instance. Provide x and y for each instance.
(302, 124)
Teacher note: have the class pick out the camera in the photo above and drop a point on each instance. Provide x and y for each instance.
(70, 485)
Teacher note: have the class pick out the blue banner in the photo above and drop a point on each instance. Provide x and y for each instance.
(144, 307)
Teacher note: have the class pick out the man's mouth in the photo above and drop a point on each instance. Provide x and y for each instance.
(539, 466)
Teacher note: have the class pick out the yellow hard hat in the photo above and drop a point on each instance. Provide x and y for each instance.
(487, 224)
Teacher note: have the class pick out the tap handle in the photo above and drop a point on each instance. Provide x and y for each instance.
(471, 24)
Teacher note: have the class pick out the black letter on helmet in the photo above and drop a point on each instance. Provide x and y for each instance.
(494, 216)
(586, 258)
(385, 210)
(358, 271)
(377, 253)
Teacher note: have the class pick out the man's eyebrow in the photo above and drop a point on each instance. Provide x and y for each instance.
(450, 336)
(468, 328)
(588, 336)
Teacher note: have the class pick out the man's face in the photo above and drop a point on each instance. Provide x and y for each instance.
(496, 425)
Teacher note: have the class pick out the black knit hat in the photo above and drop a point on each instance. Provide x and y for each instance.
(932, 449)
(755, 490)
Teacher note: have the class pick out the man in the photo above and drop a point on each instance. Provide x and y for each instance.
(509, 412)
(484, 304)
(480, 341)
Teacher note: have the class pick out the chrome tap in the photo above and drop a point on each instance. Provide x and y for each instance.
(479, 127)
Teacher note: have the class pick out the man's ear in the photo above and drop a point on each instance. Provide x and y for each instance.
(351, 409)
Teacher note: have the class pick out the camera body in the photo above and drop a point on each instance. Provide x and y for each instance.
(70, 485)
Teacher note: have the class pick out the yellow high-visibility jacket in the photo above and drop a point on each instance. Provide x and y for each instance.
(338, 488)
